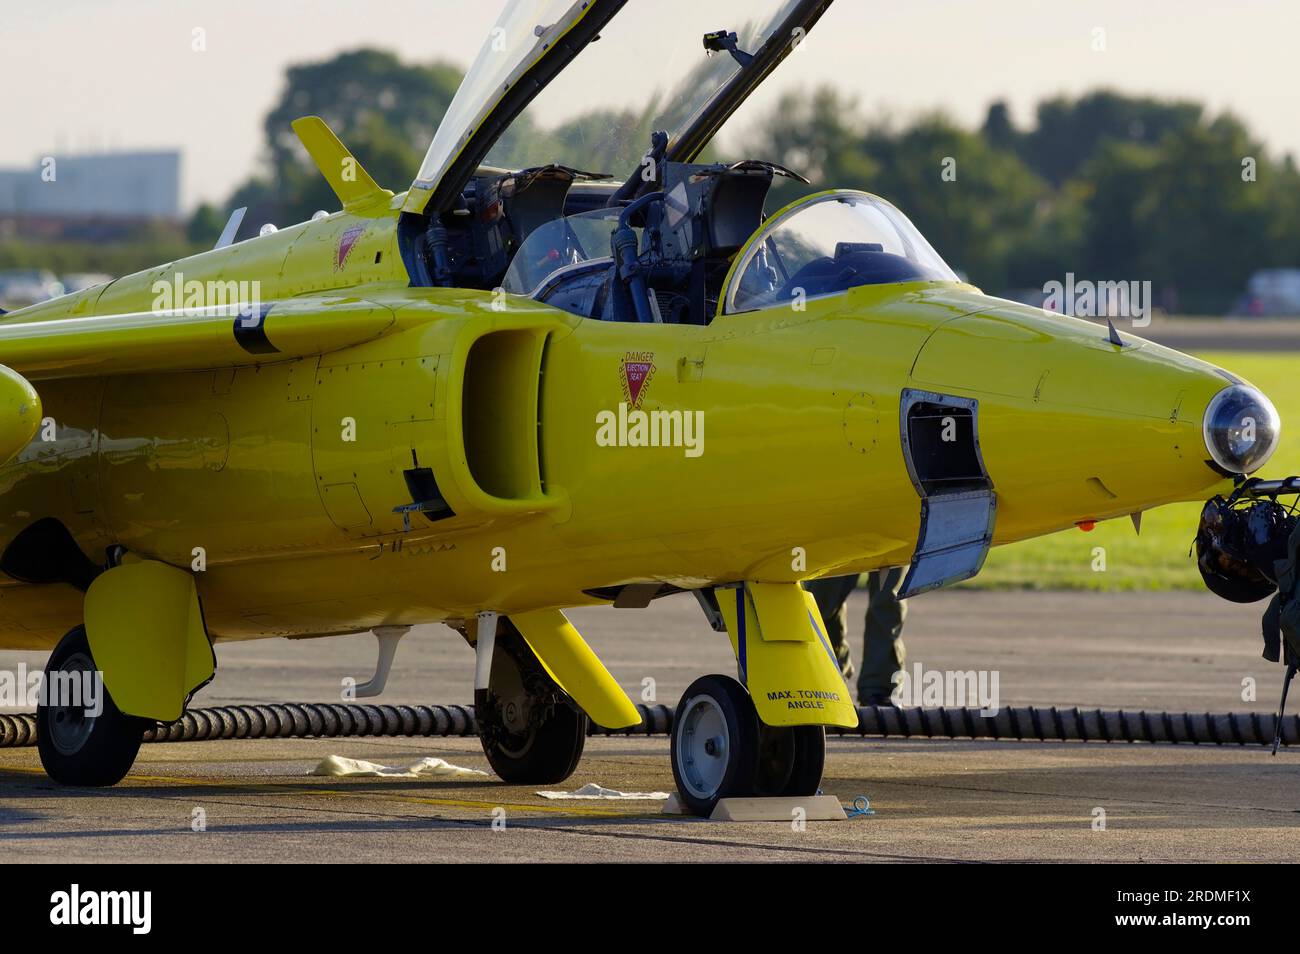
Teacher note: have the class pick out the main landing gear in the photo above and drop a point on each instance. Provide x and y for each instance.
(83, 739)
(531, 731)
(720, 749)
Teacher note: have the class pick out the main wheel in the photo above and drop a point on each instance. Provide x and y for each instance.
(531, 731)
(76, 747)
(715, 743)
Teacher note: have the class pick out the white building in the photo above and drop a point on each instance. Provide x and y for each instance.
(136, 185)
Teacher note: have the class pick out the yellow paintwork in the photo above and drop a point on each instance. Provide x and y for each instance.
(170, 442)
(20, 413)
(184, 341)
(146, 633)
(571, 663)
(786, 662)
(355, 188)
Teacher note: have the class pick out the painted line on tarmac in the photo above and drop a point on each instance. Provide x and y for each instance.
(283, 789)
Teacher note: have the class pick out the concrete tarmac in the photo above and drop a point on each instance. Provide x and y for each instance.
(948, 800)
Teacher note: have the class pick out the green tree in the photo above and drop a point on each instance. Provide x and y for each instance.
(968, 198)
(999, 129)
(971, 200)
(818, 135)
(1180, 214)
(1281, 182)
(384, 110)
(1069, 131)
(205, 225)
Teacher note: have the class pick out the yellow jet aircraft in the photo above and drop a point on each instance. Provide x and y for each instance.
(520, 387)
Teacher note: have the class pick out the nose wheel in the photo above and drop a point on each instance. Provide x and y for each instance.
(720, 749)
(790, 759)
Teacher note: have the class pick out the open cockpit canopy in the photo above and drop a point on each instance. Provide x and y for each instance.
(543, 91)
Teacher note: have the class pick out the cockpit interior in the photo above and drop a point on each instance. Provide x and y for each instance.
(660, 248)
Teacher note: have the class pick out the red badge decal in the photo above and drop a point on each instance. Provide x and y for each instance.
(346, 242)
(635, 372)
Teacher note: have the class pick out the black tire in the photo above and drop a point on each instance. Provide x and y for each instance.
(548, 747)
(547, 754)
(77, 749)
(809, 761)
(790, 760)
(715, 743)
(777, 752)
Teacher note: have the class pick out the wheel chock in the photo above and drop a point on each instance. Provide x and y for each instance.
(774, 808)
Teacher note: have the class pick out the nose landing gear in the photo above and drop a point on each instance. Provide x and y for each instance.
(791, 759)
(720, 749)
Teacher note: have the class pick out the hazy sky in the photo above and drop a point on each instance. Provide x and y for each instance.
(83, 75)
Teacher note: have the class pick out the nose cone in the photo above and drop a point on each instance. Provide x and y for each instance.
(1241, 429)
(1074, 426)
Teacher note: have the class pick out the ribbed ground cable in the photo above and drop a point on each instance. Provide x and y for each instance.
(331, 720)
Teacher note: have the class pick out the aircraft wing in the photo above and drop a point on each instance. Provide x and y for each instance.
(189, 340)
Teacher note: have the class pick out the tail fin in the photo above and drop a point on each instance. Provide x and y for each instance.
(350, 182)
